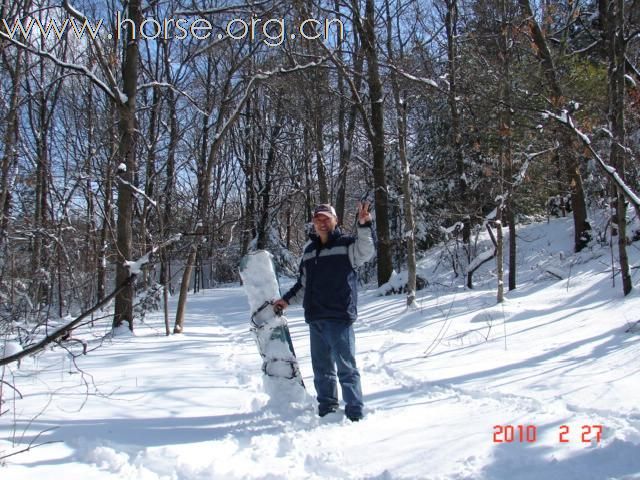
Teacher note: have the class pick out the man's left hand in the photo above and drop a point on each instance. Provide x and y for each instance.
(364, 216)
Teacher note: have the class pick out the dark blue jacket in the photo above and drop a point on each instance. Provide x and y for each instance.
(327, 284)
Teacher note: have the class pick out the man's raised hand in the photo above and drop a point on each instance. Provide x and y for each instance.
(364, 215)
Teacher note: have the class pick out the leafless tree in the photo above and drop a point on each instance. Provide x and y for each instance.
(400, 101)
(612, 15)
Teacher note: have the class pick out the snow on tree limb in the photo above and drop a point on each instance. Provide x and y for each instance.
(630, 67)
(249, 89)
(177, 90)
(565, 119)
(137, 190)
(519, 177)
(62, 331)
(116, 93)
(71, 66)
(481, 258)
(135, 267)
(421, 80)
(239, 8)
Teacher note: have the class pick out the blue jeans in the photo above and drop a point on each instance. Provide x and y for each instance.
(333, 345)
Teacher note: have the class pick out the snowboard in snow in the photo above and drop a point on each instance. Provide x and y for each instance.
(270, 329)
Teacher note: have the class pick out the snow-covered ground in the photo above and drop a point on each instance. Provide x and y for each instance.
(553, 369)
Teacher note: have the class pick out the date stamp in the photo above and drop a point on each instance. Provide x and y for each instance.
(529, 433)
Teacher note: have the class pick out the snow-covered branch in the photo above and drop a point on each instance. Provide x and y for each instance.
(630, 67)
(62, 331)
(134, 269)
(566, 119)
(138, 191)
(116, 93)
(522, 173)
(71, 66)
(480, 259)
(177, 90)
(421, 80)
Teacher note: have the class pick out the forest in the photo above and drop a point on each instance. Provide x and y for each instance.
(146, 146)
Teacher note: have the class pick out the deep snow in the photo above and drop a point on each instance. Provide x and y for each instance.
(555, 359)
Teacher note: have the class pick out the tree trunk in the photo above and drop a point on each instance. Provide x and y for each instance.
(165, 274)
(368, 39)
(499, 256)
(127, 158)
(149, 176)
(506, 131)
(11, 137)
(401, 128)
(613, 14)
(265, 191)
(346, 139)
(223, 123)
(451, 25)
(580, 225)
(184, 289)
(40, 255)
(108, 220)
(321, 169)
(513, 268)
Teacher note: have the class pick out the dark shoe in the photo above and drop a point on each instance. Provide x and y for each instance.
(323, 411)
(353, 413)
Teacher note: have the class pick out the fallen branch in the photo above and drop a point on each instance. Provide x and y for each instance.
(134, 269)
(62, 331)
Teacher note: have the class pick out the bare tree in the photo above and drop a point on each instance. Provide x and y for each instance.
(612, 14)
(566, 151)
(13, 66)
(347, 118)
(453, 57)
(401, 130)
(366, 27)
(127, 165)
(227, 114)
(506, 130)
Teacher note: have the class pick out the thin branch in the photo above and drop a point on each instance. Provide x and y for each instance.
(32, 444)
(566, 120)
(62, 331)
(428, 82)
(12, 387)
(630, 67)
(230, 9)
(177, 90)
(117, 94)
(137, 190)
(632, 35)
(354, 91)
(71, 66)
(249, 89)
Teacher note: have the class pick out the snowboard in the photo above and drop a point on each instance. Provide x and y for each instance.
(269, 328)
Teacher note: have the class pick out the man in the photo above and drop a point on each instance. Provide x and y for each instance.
(327, 287)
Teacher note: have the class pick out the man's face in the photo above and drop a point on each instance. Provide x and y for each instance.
(324, 224)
